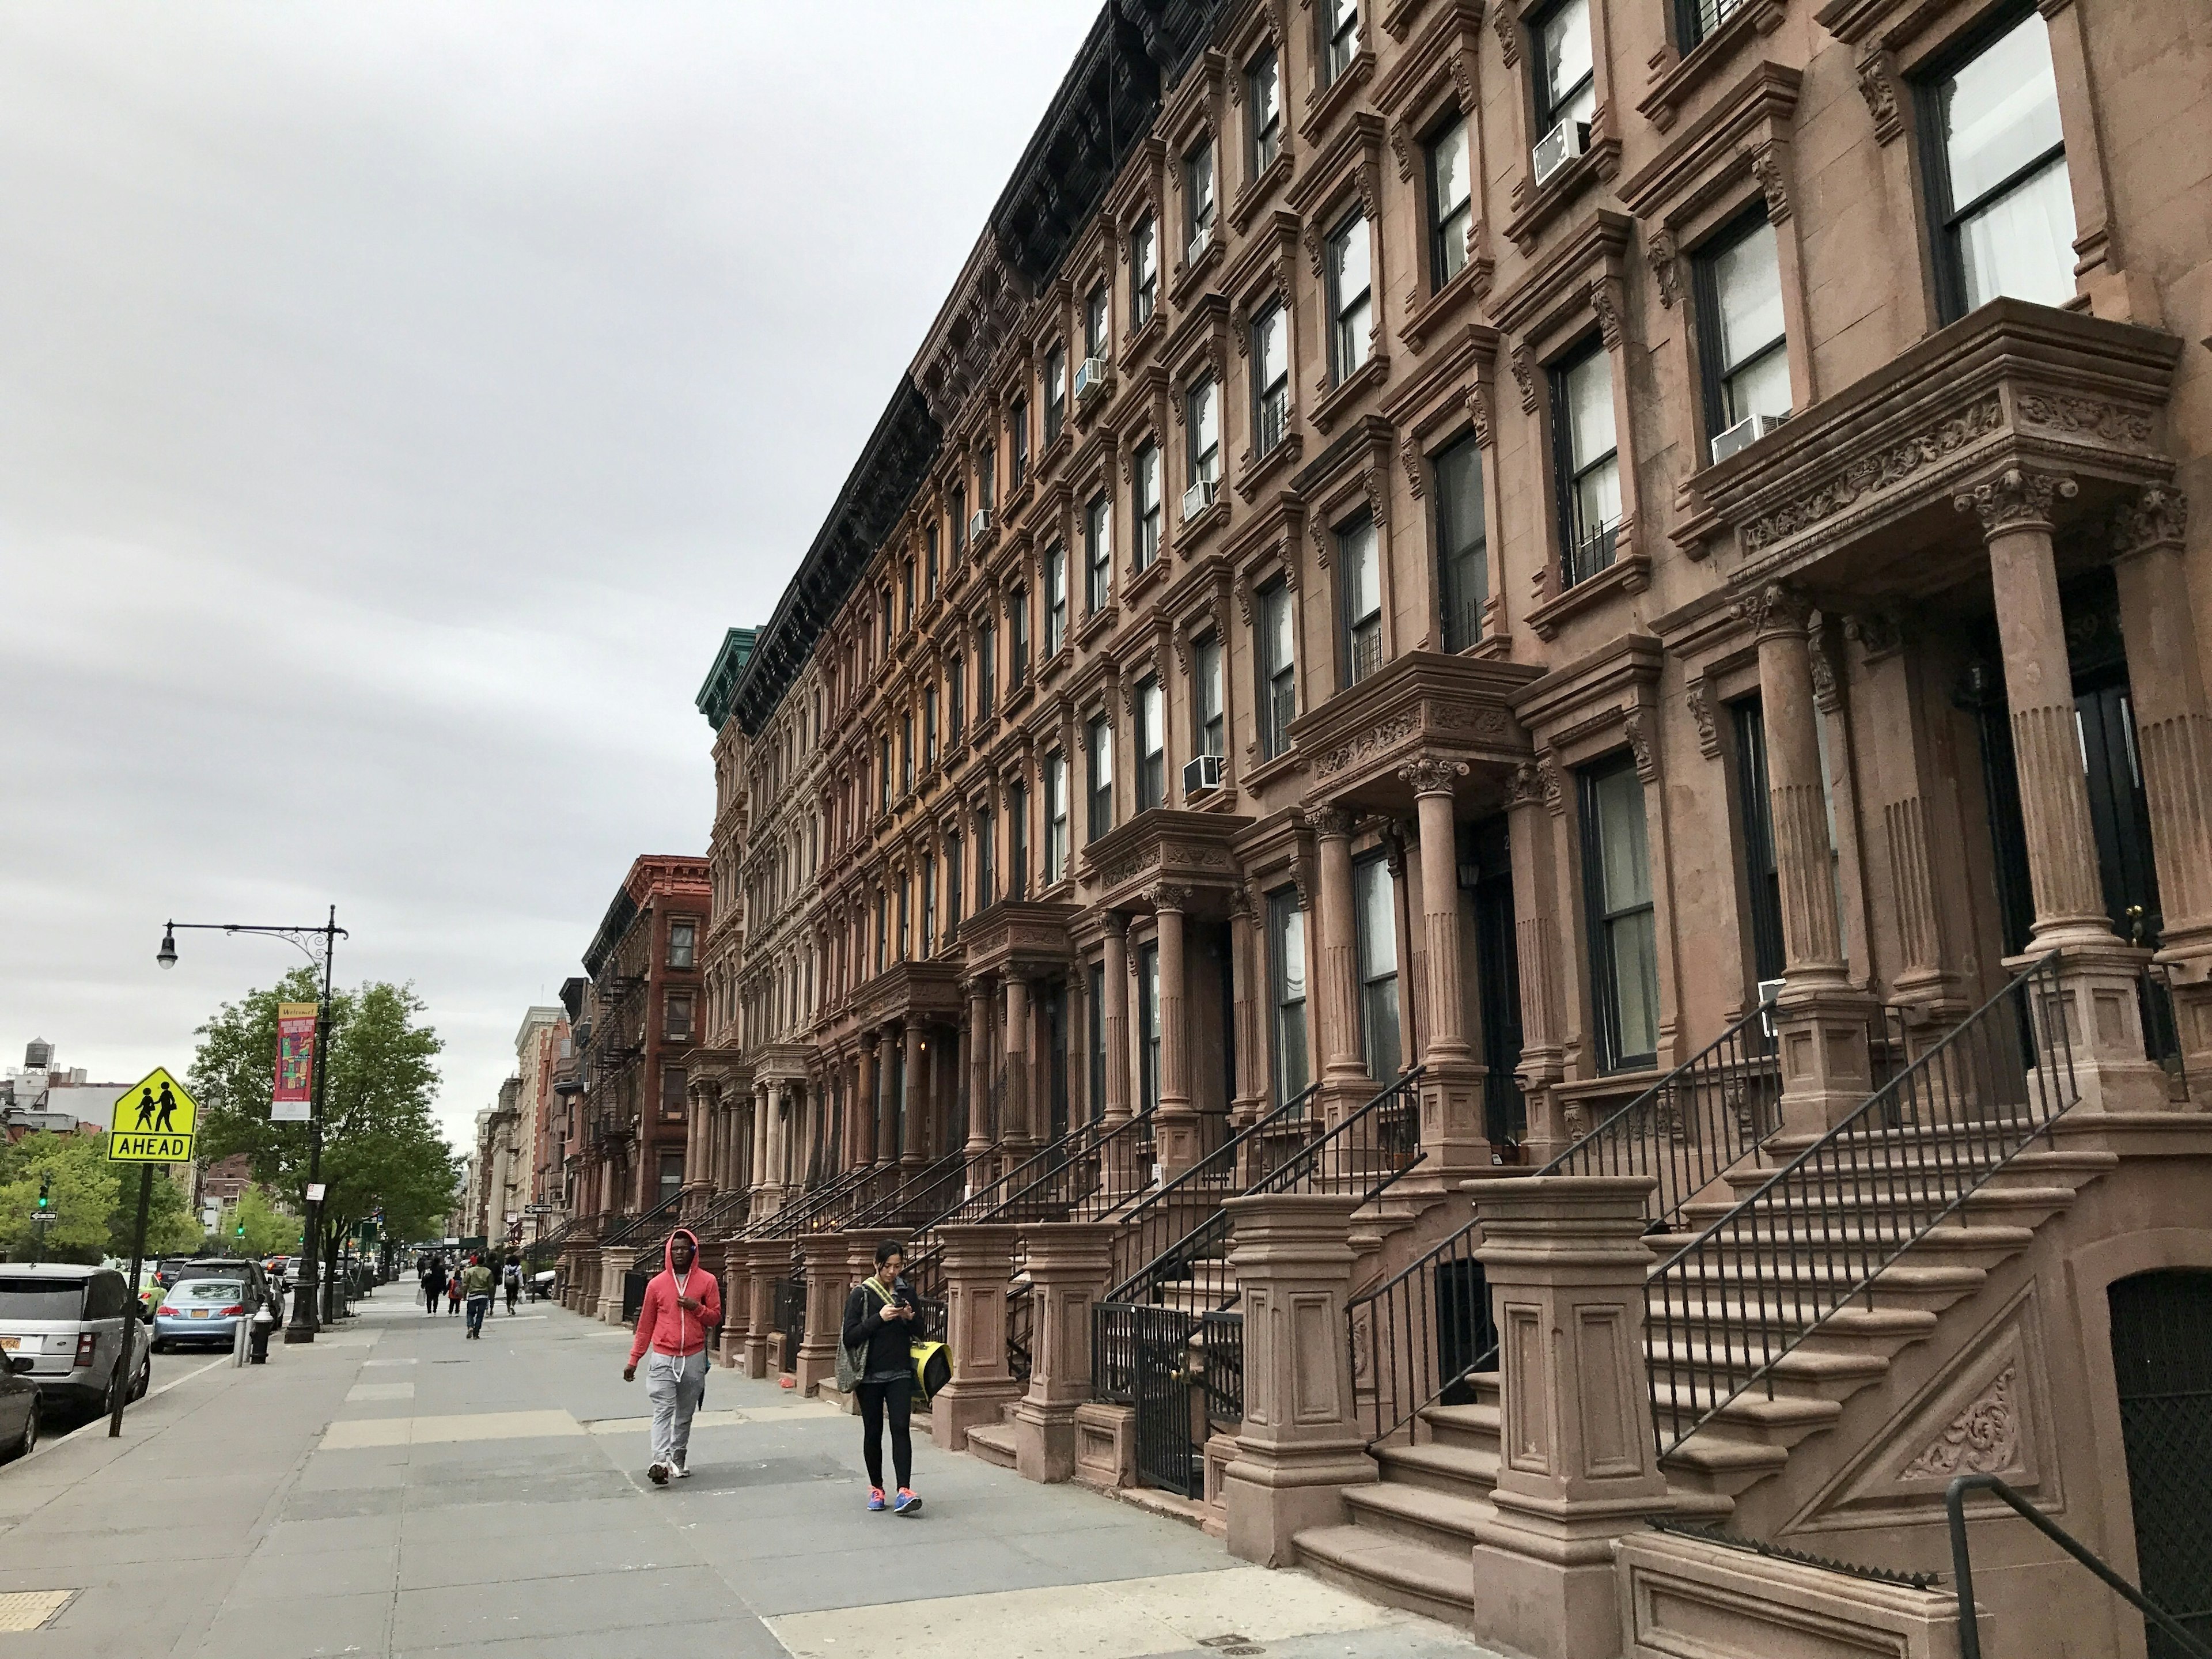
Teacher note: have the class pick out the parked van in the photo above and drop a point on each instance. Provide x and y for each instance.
(81, 1328)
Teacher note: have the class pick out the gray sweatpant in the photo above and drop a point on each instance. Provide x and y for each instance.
(674, 1386)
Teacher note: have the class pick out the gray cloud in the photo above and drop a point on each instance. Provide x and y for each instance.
(397, 401)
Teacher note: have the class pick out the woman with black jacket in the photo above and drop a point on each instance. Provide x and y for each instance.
(881, 1319)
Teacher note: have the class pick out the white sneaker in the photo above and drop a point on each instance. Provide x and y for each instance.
(678, 1471)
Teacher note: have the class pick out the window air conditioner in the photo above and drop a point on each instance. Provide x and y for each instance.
(1202, 775)
(979, 524)
(1748, 430)
(1198, 498)
(1561, 145)
(1089, 379)
(1200, 240)
(1768, 990)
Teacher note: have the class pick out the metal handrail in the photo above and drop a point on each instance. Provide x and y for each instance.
(1220, 1166)
(1721, 1100)
(630, 1228)
(1415, 1288)
(1962, 1565)
(1741, 1269)
(894, 1208)
(789, 1217)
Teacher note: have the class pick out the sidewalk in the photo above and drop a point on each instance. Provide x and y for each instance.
(396, 1490)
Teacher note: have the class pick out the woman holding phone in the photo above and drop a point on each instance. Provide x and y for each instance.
(882, 1319)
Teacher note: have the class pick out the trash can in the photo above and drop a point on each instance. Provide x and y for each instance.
(256, 1340)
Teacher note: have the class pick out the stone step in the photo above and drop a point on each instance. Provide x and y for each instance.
(1910, 1282)
(1782, 1421)
(1461, 1472)
(1878, 1331)
(993, 1442)
(1398, 1572)
(1475, 1428)
(2072, 1169)
(1897, 1206)
(1802, 1372)
(1438, 1519)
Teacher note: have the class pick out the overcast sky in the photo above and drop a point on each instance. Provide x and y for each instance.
(397, 402)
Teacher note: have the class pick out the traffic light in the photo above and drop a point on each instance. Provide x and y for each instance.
(45, 1192)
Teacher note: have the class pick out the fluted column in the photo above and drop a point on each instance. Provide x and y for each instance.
(1534, 806)
(1175, 1125)
(1452, 1138)
(1247, 972)
(979, 1081)
(887, 1145)
(760, 1146)
(1016, 1107)
(1343, 1073)
(914, 1101)
(1116, 1012)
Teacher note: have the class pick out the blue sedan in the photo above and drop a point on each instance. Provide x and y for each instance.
(201, 1311)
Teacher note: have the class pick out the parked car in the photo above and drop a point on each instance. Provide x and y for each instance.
(168, 1269)
(78, 1327)
(19, 1408)
(196, 1309)
(261, 1291)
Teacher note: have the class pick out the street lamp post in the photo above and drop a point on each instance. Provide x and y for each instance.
(301, 1326)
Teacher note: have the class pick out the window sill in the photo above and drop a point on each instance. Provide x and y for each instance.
(1675, 79)
(1260, 189)
(1287, 764)
(1347, 390)
(1546, 202)
(1098, 623)
(1192, 531)
(1140, 340)
(1432, 316)
(1134, 582)
(1325, 104)
(1629, 573)
(1188, 278)
(1255, 469)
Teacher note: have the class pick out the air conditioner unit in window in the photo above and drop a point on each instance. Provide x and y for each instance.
(979, 524)
(1089, 379)
(1748, 430)
(1769, 989)
(1200, 240)
(1198, 498)
(1202, 775)
(1561, 145)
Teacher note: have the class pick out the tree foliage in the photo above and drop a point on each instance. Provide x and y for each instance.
(257, 1228)
(382, 1148)
(81, 1184)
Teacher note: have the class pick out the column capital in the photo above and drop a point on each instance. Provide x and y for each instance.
(2158, 517)
(1431, 777)
(1330, 823)
(1169, 895)
(2014, 499)
(1776, 611)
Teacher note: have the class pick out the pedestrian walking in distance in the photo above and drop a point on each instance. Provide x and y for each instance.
(682, 1306)
(453, 1292)
(475, 1284)
(882, 1321)
(434, 1282)
(513, 1283)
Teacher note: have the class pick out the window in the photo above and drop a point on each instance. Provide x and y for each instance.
(1271, 378)
(1055, 392)
(1340, 37)
(1202, 433)
(1018, 840)
(679, 1026)
(1587, 462)
(953, 872)
(906, 929)
(672, 1164)
(986, 876)
(1349, 309)
(987, 668)
(1147, 503)
(1617, 890)
(1098, 556)
(1144, 270)
(883, 930)
(1206, 711)
(1099, 741)
(1197, 199)
(928, 905)
(884, 777)
(986, 475)
(1741, 358)
(1374, 899)
(959, 511)
(1055, 818)
(1451, 209)
(905, 754)
(929, 575)
(1762, 876)
(1056, 598)
(1263, 104)
(956, 687)
(1095, 995)
(929, 728)
(1148, 1018)
(1359, 571)
(1018, 429)
(683, 942)
(1278, 693)
(1286, 992)
(1567, 79)
(1151, 746)
(1696, 19)
(1998, 185)
(887, 622)
(1017, 635)
(906, 592)
(1094, 340)
(1462, 543)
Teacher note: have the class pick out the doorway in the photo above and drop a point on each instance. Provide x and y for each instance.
(2162, 1369)
(1497, 980)
(1055, 998)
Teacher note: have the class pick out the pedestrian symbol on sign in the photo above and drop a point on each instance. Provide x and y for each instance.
(152, 1123)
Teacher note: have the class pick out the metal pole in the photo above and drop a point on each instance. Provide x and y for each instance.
(138, 1307)
(303, 1326)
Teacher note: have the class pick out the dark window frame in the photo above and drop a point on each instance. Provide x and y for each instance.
(1574, 567)
(1605, 979)
(1275, 683)
(1097, 756)
(1713, 374)
(1463, 612)
(1439, 225)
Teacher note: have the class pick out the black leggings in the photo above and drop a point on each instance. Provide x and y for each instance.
(874, 1397)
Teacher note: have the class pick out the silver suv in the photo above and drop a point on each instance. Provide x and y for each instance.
(81, 1329)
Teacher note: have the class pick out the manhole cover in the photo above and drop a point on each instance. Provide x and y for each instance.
(1231, 1643)
(31, 1609)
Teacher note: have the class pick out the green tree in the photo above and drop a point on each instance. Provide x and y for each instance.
(382, 1148)
(267, 1229)
(81, 1184)
(171, 1227)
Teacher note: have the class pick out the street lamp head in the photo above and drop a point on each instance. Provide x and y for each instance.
(166, 956)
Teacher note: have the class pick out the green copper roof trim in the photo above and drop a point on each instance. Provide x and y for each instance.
(713, 698)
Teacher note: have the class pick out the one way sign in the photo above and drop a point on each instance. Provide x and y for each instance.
(153, 1121)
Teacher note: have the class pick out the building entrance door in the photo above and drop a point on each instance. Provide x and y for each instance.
(1055, 997)
(2162, 1365)
(1497, 981)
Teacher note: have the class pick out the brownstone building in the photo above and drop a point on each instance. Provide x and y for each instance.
(1460, 590)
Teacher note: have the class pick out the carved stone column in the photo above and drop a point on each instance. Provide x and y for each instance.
(764, 1192)
(914, 1106)
(887, 1135)
(1070, 1264)
(823, 1259)
(1016, 1139)
(979, 1083)
(1116, 973)
(1453, 1136)
(1344, 1082)
(1821, 1023)
(1301, 1442)
(864, 1099)
(1248, 996)
(766, 1260)
(1533, 806)
(1174, 1124)
(2175, 733)
(979, 1264)
(2096, 974)
(1565, 1261)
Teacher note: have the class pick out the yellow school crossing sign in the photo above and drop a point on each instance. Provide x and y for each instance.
(153, 1121)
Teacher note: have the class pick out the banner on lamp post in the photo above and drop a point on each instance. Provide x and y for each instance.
(296, 1063)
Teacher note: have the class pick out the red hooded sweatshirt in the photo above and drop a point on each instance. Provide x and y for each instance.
(662, 1326)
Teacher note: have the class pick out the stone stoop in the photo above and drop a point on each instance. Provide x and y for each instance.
(993, 1442)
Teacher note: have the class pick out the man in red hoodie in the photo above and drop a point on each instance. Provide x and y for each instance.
(681, 1307)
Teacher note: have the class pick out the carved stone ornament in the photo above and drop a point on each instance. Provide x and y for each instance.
(1431, 777)
(2014, 500)
(2157, 517)
(1775, 609)
(1525, 787)
(1639, 745)
(1858, 479)
(1367, 745)
(1701, 711)
(1329, 821)
(1827, 687)
(1409, 455)
(1509, 34)
(1554, 797)
(1478, 411)
(1663, 252)
(1983, 1439)
(1766, 168)
(1877, 633)
(1169, 895)
(2086, 418)
(1879, 92)
(1523, 364)
(1606, 306)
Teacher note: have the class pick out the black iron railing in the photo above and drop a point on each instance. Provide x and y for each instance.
(922, 1194)
(1726, 1308)
(1417, 1339)
(2166, 1637)
(788, 1310)
(1021, 1328)
(1694, 1124)
(628, 1230)
(548, 1245)
(801, 1213)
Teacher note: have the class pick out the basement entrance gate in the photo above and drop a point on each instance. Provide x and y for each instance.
(2162, 1364)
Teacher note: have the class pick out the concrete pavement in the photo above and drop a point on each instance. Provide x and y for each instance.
(397, 1491)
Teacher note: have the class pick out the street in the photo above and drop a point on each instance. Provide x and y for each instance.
(393, 1489)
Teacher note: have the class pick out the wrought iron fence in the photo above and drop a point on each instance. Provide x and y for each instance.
(1021, 1328)
(1418, 1338)
(920, 1194)
(788, 1310)
(1182, 1373)
(1726, 1308)
(2161, 1034)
